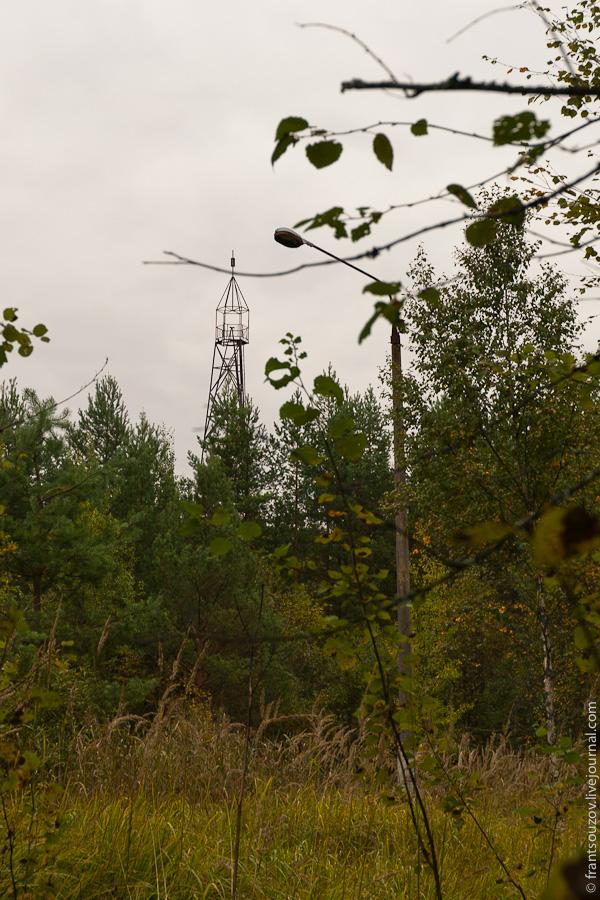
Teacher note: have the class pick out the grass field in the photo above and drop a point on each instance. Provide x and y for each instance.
(154, 818)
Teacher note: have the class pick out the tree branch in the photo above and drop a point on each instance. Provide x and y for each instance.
(54, 405)
(354, 38)
(178, 259)
(455, 83)
(492, 12)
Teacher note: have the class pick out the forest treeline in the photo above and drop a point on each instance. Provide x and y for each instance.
(122, 569)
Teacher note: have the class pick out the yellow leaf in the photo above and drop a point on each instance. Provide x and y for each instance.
(561, 533)
(326, 498)
(483, 533)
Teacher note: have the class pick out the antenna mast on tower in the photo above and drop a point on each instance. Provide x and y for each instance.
(231, 336)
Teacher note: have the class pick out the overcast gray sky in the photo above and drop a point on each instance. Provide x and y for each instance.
(136, 126)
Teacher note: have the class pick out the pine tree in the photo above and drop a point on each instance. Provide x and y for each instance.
(102, 428)
(240, 441)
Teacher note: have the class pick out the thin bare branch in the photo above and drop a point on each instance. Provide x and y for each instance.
(179, 260)
(571, 249)
(366, 129)
(541, 13)
(556, 142)
(63, 490)
(81, 389)
(354, 38)
(487, 15)
(533, 204)
(375, 251)
(55, 405)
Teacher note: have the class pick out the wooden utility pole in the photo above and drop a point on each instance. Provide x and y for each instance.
(401, 517)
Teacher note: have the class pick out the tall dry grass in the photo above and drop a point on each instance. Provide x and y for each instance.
(148, 811)
(195, 754)
(191, 752)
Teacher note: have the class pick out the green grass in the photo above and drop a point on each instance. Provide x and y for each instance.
(303, 842)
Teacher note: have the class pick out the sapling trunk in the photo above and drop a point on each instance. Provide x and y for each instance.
(549, 677)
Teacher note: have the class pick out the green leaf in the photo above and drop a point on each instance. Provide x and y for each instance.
(328, 387)
(39, 330)
(509, 209)
(10, 314)
(289, 125)
(520, 127)
(220, 517)
(360, 231)
(281, 146)
(581, 639)
(567, 111)
(340, 425)
(351, 446)
(366, 329)
(193, 520)
(430, 295)
(299, 414)
(193, 510)
(220, 546)
(383, 150)
(11, 333)
(330, 218)
(419, 128)
(390, 311)
(281, 551)
(278, 383)
(273, 364)
(463, 195)
(481, 232)
(324, 153)
(382, 288)
(307, 454)
(249, 530)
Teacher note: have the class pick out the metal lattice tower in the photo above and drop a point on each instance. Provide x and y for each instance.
(231, 336)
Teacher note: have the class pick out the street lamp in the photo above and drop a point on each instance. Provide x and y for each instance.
(290, 238)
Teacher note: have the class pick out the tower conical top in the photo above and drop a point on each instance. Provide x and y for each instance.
(232, 261)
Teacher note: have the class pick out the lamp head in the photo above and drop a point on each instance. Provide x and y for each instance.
(288, 237)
